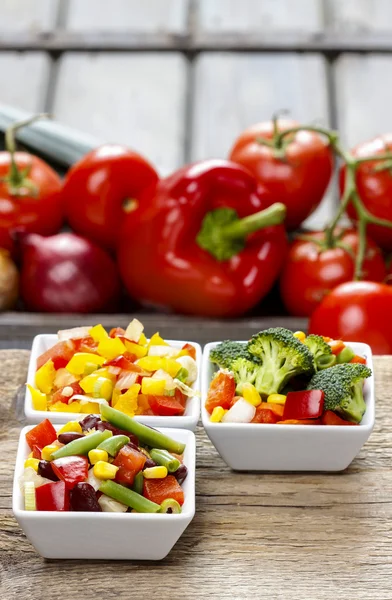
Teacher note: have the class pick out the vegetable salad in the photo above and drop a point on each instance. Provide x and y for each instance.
(285, 378)
(89, 367)
(95, 465)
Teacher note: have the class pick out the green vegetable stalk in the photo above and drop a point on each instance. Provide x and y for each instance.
(128, 497)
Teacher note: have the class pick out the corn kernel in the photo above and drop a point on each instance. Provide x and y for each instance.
(250, 394)
(72, 426)
(153, 387)
(33, 463)
(300, 335)
(104, 470)
(155, 473)
(96, 455)
(47, 451)
(217, 414)
(277, 398)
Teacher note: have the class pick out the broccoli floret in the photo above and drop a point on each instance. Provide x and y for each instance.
(343, 389)
(226, 352)
(322, 352)
(282, 356)
(244, 371)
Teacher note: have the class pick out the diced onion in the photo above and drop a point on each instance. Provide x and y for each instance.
(168, 351)
(241, 412)
(169, 381)
(76, 333)
(85, 399)
(125, 381)
(190, 365)
(134, 330)
(93, 480)
(30, 475)
(113, 370)
(109, 505)
(188, 391)
(63, 378)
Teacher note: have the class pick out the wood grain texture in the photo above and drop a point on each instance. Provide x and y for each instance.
(271, 536)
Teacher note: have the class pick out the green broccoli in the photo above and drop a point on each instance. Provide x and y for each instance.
(226, 352)
(322, 352)
(282, 356)
(244, 371)
(342, 386)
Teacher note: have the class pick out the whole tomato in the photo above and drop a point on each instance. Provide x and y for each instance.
(296, 175)
(103, 187)
(357, 311)
(30, 196)
(312, 270)
(374, 187)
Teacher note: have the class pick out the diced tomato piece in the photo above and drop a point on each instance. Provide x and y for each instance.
(130, 461)
(166, 406)
(331, 418)
(60, 397)
(52, 496)
(264, 415)
(180, 397)
(337, 346)
(71, 469)
(87, 344)
(221, 392)
(300, 422)
(358, 359)
(41, 435)
(307, 404)
(125, 362)
(277, 409)
(116, 332)
(191, 350)
(37, 451)
(158, 490)
(60, 354)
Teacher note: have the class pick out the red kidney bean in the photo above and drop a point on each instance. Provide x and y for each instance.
(149, 463)
(69, 436)
(90, 422)
(45, 470)
(83, 498)
(181, 473)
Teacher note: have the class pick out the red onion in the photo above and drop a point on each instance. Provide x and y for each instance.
(67, 273)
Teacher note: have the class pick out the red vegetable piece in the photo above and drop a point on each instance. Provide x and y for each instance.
(117, 331)
(71, 469)
(59, 396)
(41, 435)
(307, 404)
(331, 418)
(166, 406)
(337, 346)
(358, 359)
(300, 422)
(264, 415)
(125, 362)
(87, 344)
(190, 349)
(158, 490)
(52, 496)
(37, 451)
(221, 392)
(130, 461)
(60, 354)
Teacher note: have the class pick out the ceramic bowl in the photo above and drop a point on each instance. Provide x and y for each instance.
(265, 447)
(108, 536)
(188, 420)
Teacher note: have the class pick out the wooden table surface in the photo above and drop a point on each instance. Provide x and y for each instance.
(275, 536)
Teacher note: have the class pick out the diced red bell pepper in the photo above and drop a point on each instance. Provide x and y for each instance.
(37, 452)
(300, 422)
(277, 409)
(331, 418)
(116, 331)
(41, 435)
(87, 344)
(52, 496)
(125, 362)
(130, 461)
(337, 346)
(221, 392)
(264, 415)
(191, 350)
(166, 406)
(307, 404)
(358, 359)
(59, 396)
(60, 354)
(181, 397)
(71, 469)
(158, 490)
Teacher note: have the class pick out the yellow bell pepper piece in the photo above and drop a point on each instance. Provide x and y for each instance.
(38, 399)
(32, 462)
(44, 377)
(97, 385)
(98, 333)
(142, 340)
(153, 363)
(78, 362)
(104, 372)
(111, 348)
(127, 403)
(89, 408)
(156, 340)
(74, 407)
(171, 366)
(115, 396)
(136, 349)
(71, 426)
(154, 387)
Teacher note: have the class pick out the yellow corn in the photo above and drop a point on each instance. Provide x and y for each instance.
(154, 387)
(217, 414)
(104, 470)
(78, 362)
(47, 451)
(136, 349)
(73, 407)
(44, 377)
(72, 426)
(142, 340)
(33, 463)
(111, 348)
(96, 455)
(300, 335)
(39, 399)
(98, 333)
(277, 398)
(156, 340)
(250, 394)
(155, 473)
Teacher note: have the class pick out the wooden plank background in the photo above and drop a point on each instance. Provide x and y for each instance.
(179, 79)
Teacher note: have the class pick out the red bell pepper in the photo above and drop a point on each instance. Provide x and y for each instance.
(191, 350)
(59, 396)
(41, 435)
(60, 354)
(331, 418)
(264, 415)
(129, 461)
(158, 490)
(124, 362)
(52, 496)
(307, 404)
(203, 244)
(71, 469)
(221, 391)
(358, 359)
(37, 452)
(166, 406)
(300, 422)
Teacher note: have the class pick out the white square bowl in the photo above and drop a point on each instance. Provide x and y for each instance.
(188, 420)
(269, 447)
(108, 536)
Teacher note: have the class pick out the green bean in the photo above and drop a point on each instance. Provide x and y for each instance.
(325, 361)
(128, 497)
(345, 355)
(146, 435)
(82, 445)
(164, 458)
(138, 483)
(170, 504)
(114, 444)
